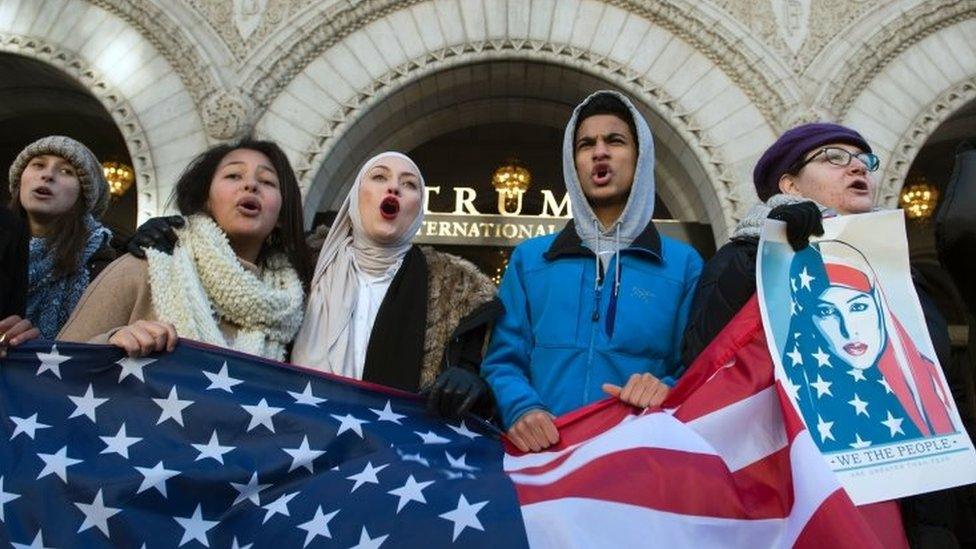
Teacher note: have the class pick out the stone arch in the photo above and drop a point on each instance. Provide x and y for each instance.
(145, 97)
(918, 89)
(716, 126)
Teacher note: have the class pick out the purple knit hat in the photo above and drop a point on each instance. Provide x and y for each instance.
(792, 146)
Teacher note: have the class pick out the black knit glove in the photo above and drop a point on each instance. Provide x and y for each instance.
(802, 221)
(455, 392)
(157, 233)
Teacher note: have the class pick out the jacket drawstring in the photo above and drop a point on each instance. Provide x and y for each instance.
(612, 308)
(598, 274)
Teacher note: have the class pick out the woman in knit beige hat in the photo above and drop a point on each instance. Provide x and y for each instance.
(58, 187)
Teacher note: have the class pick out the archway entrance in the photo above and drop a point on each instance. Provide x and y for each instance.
(464, 122)
(38, 100)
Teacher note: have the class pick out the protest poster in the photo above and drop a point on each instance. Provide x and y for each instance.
(851, 349)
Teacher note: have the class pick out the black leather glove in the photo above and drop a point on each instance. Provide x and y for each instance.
(802, 221)
(455, 392)
(157, 233)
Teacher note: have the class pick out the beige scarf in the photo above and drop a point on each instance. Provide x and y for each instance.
(204, 280)
(323, 341)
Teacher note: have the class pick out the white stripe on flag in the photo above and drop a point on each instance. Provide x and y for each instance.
(656, 430)
(813, 482)
(746, 431)
(514, 463)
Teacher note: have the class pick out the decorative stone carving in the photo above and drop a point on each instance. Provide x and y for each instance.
(122, 113)
(244, 24)
(792, 21)
(247, 16)
(918, 133)
(226, 115)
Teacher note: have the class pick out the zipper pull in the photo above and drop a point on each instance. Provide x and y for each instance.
(596, 305)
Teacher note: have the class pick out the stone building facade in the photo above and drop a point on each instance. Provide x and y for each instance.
(334, 81)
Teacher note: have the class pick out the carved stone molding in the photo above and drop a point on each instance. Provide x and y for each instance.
(728, 50)
(122, 113)
(917, 134)
(887, 43)
(684, 123)
(171, 41)
(226, 115)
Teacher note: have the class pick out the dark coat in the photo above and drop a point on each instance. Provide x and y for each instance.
(14, 238)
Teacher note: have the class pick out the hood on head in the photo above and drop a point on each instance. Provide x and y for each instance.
(640, 205)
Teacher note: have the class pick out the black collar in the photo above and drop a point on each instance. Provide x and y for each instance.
(568, 243)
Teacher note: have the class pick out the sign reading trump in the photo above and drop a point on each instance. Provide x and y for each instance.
(852, 351)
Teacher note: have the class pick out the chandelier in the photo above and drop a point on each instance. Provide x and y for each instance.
(119, 176)
(511, 180)
(918, 197)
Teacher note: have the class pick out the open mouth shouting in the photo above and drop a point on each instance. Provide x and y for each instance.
(390, 207)
(249, 206)
(42, 192)
(601, 174)
(859, 186)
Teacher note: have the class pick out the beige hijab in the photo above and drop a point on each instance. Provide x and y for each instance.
(323, 340)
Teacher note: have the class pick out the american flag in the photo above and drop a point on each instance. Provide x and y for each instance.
(207, 447)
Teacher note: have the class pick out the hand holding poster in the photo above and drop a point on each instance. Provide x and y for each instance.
(851, 348)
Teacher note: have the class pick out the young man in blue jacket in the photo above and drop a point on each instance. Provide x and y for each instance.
(600, 307)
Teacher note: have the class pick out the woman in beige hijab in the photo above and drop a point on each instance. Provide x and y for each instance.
(385, 311)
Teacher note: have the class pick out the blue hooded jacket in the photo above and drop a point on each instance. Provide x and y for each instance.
(567, 327)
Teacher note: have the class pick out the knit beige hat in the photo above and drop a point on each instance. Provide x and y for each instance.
(94, 188)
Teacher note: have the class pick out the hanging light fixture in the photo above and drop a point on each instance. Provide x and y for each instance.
(119, 176)
(511, 180)
(918, 197)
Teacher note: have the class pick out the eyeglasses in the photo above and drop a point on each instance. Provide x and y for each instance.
(842, 157)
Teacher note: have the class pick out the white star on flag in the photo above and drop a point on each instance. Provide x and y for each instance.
(212, 449)
(366, 542)
(859, 444)
(278, 507)
(155, 477)
(367, 475)
(195, 527)
(884, 383)
(791, 388)
(85, 405)
(824, 427)
(27, 426)
(410, 491)
(459, 463)
(465, 516)
(318, 526)
(57, 464)
(133, 367)
(806, 279)
(172, 407)
(96, 514)
(221, 380)
(261, 414)
(249, 491)
(235, 545)
(860, 407)
(822, 387)
(119, 444)
(823, 359)
(349, 423)
(795, 356)
(387, 414)
(38, 543)
(303, 456)
(414, 457)
(430, 437)
(51, 362)
(857, 374)
(5, 497)
(893, 424)
(463, 430)
(306, 396)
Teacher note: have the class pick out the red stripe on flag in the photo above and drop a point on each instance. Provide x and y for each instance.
(836, 522)
(677, 482)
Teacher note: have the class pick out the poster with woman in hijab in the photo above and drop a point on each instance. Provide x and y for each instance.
(852, 352)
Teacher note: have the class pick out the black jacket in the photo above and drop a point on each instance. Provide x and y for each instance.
(14, 238)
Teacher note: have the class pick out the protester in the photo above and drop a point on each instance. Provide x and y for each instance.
(386, 311)
(57, 186)
(604, 302)
(236, 279)
(812, 171)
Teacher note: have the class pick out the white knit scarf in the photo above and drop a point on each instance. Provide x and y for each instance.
(203, 280)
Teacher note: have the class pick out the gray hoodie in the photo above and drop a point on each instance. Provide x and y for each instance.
(640, 205)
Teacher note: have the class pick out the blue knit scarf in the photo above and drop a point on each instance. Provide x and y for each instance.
(50, 300)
